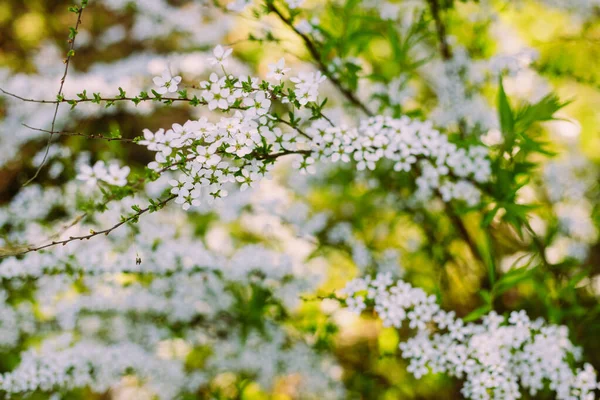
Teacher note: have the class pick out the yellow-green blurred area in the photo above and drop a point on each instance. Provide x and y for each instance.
(569, 59)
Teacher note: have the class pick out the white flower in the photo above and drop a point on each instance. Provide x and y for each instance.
(116, 176)
(166, 82)
(305, 165)
(259, 105)
(92, 174)
(154, 141)
(277, 70)
(181, 186)
(220, 55)
(215, 93)
(247, 179)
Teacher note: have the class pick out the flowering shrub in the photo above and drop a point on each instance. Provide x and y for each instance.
(277, 199)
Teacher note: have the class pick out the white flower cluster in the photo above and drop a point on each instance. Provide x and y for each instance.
(157, 19)
(113, 175)
(453, 82)
(92, 364)
(212, 155)
(125, 318)
(409, 145)
(493, 358)
(307, 86)
(321, 375)
(14, 321)
(570, 184)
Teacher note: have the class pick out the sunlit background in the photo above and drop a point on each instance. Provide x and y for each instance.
(341, 218)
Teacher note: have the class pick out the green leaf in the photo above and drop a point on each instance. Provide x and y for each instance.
(512, 278)
(486, 296)
(506, 116)
(543, 110)
(477, 313)
(72, 33)
(489, 216)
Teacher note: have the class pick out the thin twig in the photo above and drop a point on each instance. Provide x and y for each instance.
(317, 57)
(59, 95)
(300, 131)
(93, 233)
(101, 99)
(538, 244)
(160, 204)
(88, 136)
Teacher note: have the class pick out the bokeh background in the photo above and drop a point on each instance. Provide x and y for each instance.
(125, 44)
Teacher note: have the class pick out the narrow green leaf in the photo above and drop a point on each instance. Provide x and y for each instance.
(506, 116)
(477, 313)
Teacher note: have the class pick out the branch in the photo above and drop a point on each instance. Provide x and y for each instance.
(296, 128)
(317, 57)
(102, 99)
(90, 136)
(93, 233)
(538, 244)
(59, 95)
(158, 205)
(475, 250)
(440, 28)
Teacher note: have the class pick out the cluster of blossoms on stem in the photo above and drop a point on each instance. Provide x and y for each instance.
(210, 155)
(240, 148)
(409, 145)
(243, 147)
(493, 357)
(570, 184)
(307, 86)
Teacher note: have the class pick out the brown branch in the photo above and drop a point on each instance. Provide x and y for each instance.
(296, 128)
(440, 28)
(58, 96)
(88, 136)
(462, 230)
(160, 204)
(314, 52)
(274, 156)
(93, 233)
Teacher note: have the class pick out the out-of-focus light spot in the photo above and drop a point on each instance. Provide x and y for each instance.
(30, 28)
(566, 128)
